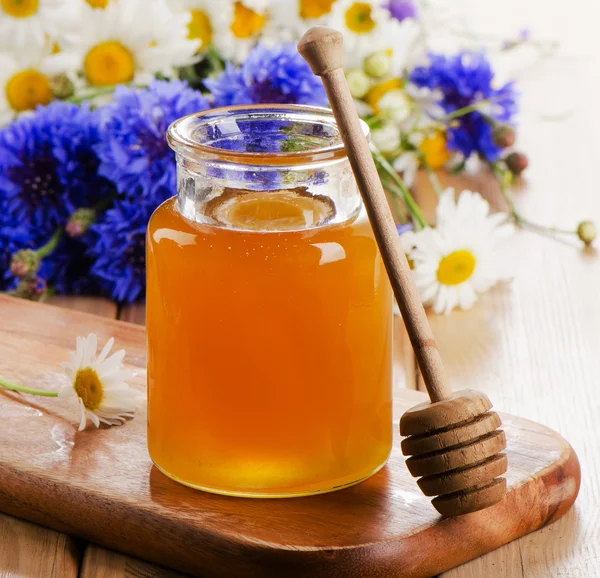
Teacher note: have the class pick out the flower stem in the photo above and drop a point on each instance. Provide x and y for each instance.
(78, 99)
(214, 60)
(465, 110)
(14, 387)
(101, 91)
(46, 249)
(433, 179)
(454, 114)
(505, 179)
(396, 203)
(372, 120)
(398, 188)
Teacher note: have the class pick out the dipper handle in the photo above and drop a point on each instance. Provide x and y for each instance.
(322, 49)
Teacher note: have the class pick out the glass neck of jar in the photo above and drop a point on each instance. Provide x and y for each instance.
(280, 159)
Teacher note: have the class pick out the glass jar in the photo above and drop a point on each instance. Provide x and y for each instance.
(268, 310)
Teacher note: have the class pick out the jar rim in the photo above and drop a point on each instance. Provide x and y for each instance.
(180, 140)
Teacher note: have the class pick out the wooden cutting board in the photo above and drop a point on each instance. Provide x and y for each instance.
(101, 485)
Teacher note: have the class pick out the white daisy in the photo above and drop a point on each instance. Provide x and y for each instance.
(463, 256)
(289, 19)
(98, 384)
(26, 24)
(127, 41)
(24, 81)
(239, 25)
(201, 26)
(368, 28)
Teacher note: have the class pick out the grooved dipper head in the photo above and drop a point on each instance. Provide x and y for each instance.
(455, 448)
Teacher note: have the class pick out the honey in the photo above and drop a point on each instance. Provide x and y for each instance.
(269, 339)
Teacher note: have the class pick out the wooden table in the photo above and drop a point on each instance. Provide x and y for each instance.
(532, 345)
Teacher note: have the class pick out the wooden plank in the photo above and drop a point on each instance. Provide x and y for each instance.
(95, 305)
(30, 551)
(101, 563)
(101, 484)
(135, 313)
(532, 345)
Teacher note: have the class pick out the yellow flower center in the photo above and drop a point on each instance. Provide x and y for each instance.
(89, 388)
(377, 91)
(358, 18)
(19, 8)
(28, 88)
(109, 63)
(97, 3)
(435, 152)
(246, 22)
(456, 267)
(315, 8)
(200, 28)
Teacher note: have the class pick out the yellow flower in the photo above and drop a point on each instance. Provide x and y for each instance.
(27, 89)
(368, 27)
(246, 22)
(97, 384)
(434, 150)
(200, 28)
(27, 24)
(456, 267)
(110, 48)
(24, 82)
(109, 63)
(378, 90)
(238, 26)
(358, 18)
(315, 8)
(463, 256)
(19, 8)
(97, 3)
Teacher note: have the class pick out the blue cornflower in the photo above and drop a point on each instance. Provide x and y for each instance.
(401, 9)
(277, 75)
(464, 79)
(133, 149)
(119, 249)
(47, 165)
(75, 132)
(30, 188)
(71, 265)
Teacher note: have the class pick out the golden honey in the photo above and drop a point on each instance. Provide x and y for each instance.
(269, 345)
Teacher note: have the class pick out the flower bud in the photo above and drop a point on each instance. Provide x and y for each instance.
(504, 135)
(24, 263)
(516, 163)
(378, 64)
(62, 87)
(79, 222)
(358, 82)
(33, 288)
(586, 231)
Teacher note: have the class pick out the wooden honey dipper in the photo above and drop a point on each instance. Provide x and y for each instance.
(453, 441)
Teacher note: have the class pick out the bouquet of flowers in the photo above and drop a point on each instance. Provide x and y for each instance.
(88, 88)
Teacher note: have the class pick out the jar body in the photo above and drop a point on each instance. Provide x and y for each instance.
(269, 355)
